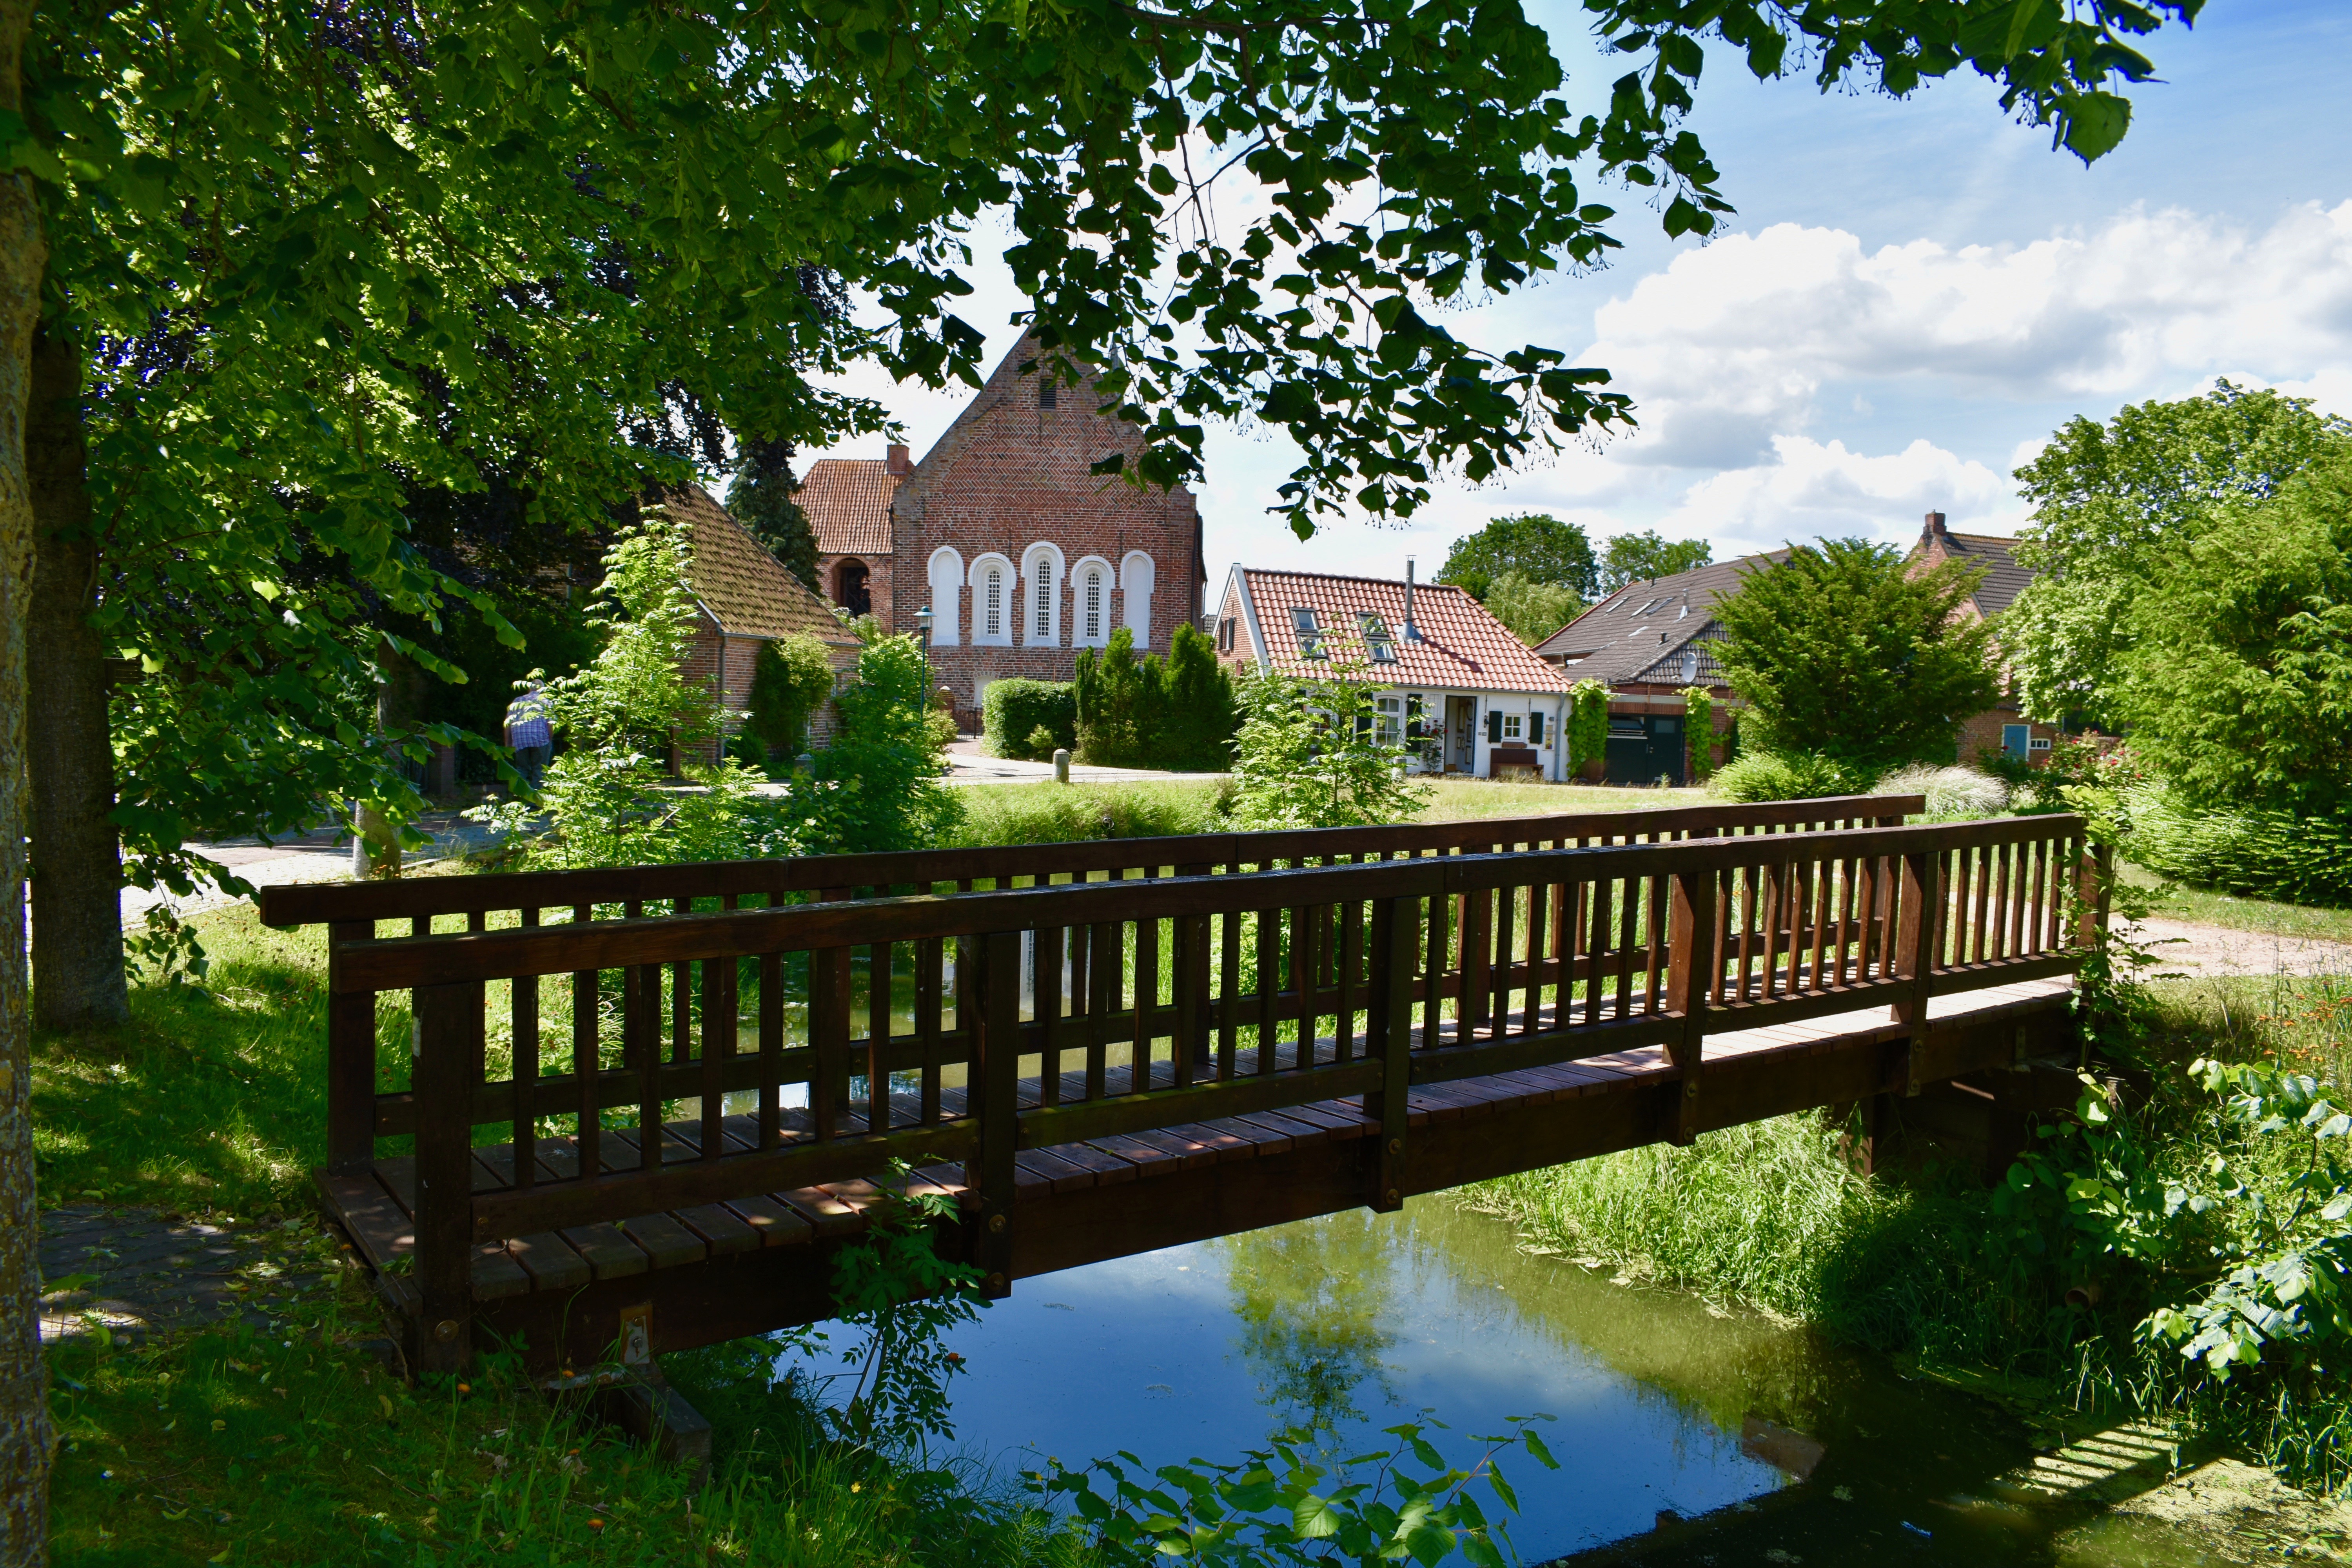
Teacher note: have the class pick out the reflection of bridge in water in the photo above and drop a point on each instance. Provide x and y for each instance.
(1182, 1038)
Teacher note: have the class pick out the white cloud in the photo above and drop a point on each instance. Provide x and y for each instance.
(1811, 490)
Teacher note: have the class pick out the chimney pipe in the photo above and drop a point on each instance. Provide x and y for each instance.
(1411, 632)
(1935, 522)
(899, 462)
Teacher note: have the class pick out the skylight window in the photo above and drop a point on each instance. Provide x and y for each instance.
(1310, 635)
(1376, 639)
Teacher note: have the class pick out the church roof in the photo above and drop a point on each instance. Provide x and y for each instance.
(1462, 648)
(739, 584)
(847, 502)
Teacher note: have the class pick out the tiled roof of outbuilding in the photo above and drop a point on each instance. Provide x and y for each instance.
(1462, 647)
(740, 585)
(847, 500)
(1640, 632)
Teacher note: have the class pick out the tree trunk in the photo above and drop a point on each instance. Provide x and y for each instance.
(24, 1398)
(78, 979)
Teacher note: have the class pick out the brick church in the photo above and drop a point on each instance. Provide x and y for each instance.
(1021, 553)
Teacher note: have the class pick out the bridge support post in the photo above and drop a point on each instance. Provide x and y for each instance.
(351, 1060)
(1693, 965)
(1396, 946)
(996, 989)
(1918, 938)
(449, 1049)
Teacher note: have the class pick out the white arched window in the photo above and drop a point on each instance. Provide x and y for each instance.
(1090, 583)
(1041, 595)
(1135, 590)
(995, 601)
(946, 580)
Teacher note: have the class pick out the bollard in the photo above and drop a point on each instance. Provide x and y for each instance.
(1061, 764)
(804, 765)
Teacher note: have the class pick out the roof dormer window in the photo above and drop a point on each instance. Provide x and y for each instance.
(1310, 635)
(1377, 641)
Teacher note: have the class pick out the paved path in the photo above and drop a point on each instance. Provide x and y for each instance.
(154, 1274)
(2202, 952)
(970, 764)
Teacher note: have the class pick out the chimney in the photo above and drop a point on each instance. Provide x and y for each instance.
(899, 462)
(1411, 632)
(1934, 529)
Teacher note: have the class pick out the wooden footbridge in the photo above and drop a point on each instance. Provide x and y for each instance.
(658, 1099)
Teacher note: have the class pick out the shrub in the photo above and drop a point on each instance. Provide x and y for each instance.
(1759, 775)
(1311, 756)
(1176, 713)
(1950, 792)
(1047, 814)
(1014, 712)
(791, 679)
(2258, 850)
(889, 754)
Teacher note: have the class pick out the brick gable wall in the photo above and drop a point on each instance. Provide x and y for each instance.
(1010, 475)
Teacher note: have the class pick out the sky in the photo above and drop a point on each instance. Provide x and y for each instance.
(1911, 296)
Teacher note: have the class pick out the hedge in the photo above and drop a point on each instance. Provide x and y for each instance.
(1013, 711)
(2255, 850)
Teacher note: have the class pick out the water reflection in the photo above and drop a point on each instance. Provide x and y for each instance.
(1315, 1311)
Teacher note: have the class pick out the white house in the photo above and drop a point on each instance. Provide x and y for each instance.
(1456, 684)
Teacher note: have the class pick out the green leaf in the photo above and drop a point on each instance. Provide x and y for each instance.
(2092, 124)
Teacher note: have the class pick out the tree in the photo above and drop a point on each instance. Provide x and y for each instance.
(1150, 712)
(1843, 652)
(790, 679)
(1311, 754)
(1645, 556)
(2236, 678)
(318, 259)
(762, 500)
(1535, 546)
(888, 755)
(2114, 503)
(1532, 610)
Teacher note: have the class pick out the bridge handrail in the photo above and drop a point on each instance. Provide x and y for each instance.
(303, 904)
(1425, 970)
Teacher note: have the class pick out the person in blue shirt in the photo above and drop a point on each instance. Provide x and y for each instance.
(528, 733)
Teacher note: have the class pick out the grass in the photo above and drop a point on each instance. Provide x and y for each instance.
(295, 1445)
(1916, 1263)
(2213, 907)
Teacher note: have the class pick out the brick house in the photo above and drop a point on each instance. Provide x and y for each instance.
(2002, 727)
(1457, 685)
(744, 598)
(1021, 553)
(1650, 639)
(1646, 642)
(847, 503)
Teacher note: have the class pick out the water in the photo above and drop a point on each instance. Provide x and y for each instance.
(1685, 1433)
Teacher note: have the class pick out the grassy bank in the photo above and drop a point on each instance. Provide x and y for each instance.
(1972, 1282)
(296, 1446)
(2211, 905)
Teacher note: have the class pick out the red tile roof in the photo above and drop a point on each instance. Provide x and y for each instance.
(847, 500)
(1462, 647)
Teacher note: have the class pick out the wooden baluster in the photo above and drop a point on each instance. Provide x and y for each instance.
(2020, 896)
(1918, 945)
(1304, 959)
(1629, 921)
(1653, 943)
(1477, 960)
(1269, 985)
(1350, 979)
(587, 1053)
(1845, 873)
(1987, 869)
(1395, 941)
(1745, 887)
(1687, 989)
(1054, 1027)
(681, 997)
(1229, 988)
(878, 957)
(1146, 1001)
(1558, 949)
(1868, 943)
(1106, 969)
(525, 1005)
(828, 1029)
(1795, 980)
(1439, 945)
(1190, 979)
(772, 1049)
(931, 1000)
(1822, 874)
(449, 1042)
(350, 1059)
(1771, 907)
(1538, 913)
(995, 1090)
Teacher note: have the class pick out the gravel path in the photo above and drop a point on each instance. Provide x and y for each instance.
(154, 1274)
(2201, 951)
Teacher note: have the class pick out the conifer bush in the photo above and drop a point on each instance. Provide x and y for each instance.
(1178, 713)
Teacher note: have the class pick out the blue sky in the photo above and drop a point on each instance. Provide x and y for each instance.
(1911, 294)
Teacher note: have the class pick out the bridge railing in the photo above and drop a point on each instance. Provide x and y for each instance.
(357, 1115)
(718, 1056)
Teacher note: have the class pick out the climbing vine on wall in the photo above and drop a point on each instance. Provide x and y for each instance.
(1587, 723)
(1699, 730)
